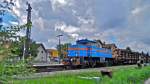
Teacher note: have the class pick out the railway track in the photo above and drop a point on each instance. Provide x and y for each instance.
(60, 67)
(73, 71)
(51, 68)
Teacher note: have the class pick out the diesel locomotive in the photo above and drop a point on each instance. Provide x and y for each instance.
(93, 53)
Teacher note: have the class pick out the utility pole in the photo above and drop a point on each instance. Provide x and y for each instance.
(1, 25)
(1, 22)
(28, 31)
(59, 47)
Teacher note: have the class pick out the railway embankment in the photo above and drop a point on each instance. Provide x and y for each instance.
(53, 73)
(120, 75)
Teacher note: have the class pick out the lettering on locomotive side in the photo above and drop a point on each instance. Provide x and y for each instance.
(105, 51)
(99, 50)
(77, 49)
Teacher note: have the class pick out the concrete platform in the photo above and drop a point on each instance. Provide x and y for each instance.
(40, 65)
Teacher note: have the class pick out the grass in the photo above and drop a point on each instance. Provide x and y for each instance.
(62, 79)
(128, 76)
(120, 76)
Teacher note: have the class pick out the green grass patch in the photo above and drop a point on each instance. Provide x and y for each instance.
(128, 76)
(120, 76)
(70, 78)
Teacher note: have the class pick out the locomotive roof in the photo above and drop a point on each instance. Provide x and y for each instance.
(85, 41)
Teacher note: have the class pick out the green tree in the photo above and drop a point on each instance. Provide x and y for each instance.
(18, 47)
(128, 49)
(10, 47)
(142, 53)
(33, 49)
(147, 54)
(4, 52)
(64, 48)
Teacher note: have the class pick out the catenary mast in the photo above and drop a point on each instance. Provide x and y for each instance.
(28, 31)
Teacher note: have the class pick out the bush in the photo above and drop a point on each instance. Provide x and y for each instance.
(10, 68)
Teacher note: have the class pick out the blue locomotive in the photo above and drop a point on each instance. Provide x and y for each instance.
(86, 52)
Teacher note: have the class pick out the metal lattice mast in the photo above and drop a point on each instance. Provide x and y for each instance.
(28, 31)
(59, 47)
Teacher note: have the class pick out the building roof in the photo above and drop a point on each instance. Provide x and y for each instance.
(99, 41)
(49, 50)
(109, 45)
(40, 44)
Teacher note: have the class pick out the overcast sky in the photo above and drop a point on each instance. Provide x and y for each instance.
(123, 22)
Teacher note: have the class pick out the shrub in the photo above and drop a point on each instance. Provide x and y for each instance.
(10, 68)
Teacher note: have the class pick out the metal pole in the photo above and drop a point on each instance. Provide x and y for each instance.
(1, 25)
(59, 48)
(24, 49)
(28, 31)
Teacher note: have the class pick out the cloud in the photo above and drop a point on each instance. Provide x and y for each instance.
(57, 4)
(40, 23)
(21, 33)
(61, 2)
(136, 11)
(75, 36)
(139, 10)
(123, 22)
(16, 8)
(68, 29)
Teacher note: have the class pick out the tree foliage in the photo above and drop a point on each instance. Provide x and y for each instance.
(33, 49)
(64, 48)
(12, 47)
(147, 54)
(9, 68)
(128, 49)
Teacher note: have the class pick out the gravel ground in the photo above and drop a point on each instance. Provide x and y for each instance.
(46, 74)
(147, 81)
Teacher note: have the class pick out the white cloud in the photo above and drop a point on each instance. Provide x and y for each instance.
(40, 22)
(138, 10)
(14, 23)
(23, 19)
(74, 35)
(63, 2)
(21, 33)
(56, 4)
(68, 29)
(84, 19)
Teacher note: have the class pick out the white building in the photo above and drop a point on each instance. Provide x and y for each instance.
(42, 56)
